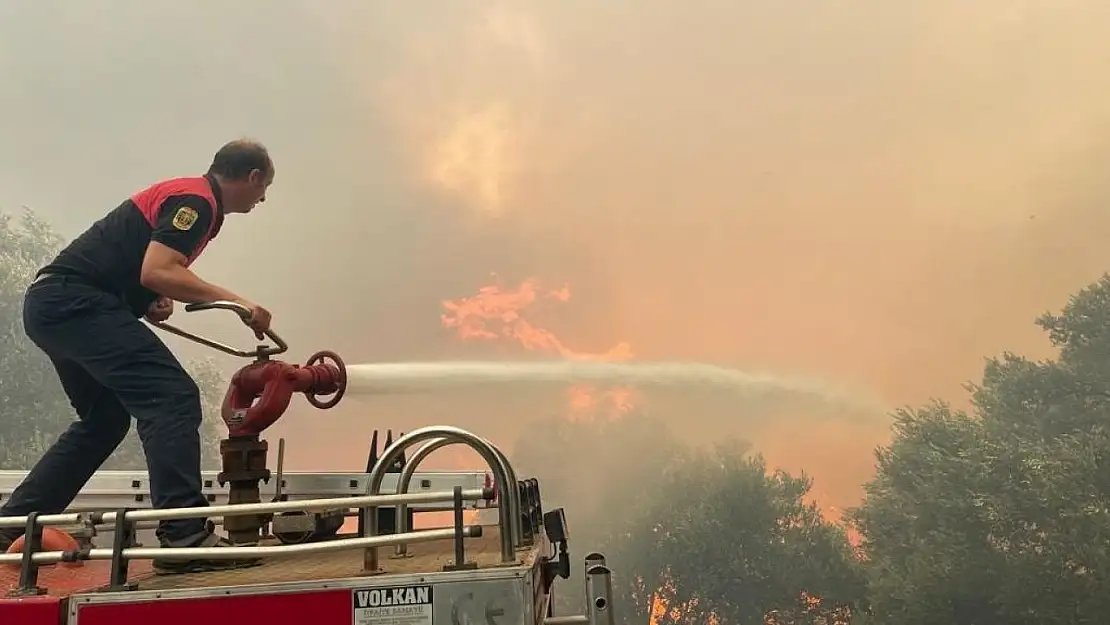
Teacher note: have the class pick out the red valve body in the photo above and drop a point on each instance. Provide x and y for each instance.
(261, 391)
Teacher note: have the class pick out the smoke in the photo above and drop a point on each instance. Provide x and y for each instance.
(879, 194)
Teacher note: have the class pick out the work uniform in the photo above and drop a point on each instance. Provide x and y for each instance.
(83, 310)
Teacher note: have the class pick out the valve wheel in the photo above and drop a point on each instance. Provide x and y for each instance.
(320, 358)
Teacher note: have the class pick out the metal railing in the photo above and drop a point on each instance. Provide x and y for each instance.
(260, 352)
(508, 506)
(234, 553)
(428, 449)
(124, 521)
(301, 505)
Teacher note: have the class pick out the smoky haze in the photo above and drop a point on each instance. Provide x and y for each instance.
(874, 193)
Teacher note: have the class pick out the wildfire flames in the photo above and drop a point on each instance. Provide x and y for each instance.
(498, 314)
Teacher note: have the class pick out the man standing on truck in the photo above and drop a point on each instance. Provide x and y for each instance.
(83, 310)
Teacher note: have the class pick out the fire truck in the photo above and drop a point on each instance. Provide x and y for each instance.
(331, 548)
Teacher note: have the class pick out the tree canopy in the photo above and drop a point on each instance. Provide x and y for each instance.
(33, 408)
(697, 535)
(1002, 515)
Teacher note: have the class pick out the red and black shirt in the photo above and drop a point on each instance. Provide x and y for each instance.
(181, 213)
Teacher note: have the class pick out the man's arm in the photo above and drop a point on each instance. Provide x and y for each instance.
(182, 224)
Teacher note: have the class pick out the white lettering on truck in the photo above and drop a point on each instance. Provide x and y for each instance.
(378, 597)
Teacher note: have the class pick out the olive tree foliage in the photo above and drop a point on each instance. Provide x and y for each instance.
(697, 535)
(33, 408)
(1002, 515)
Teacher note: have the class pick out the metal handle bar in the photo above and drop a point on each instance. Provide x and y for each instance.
(230, 553)
(244, 313)
(297, 505)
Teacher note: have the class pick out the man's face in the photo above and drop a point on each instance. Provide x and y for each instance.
(254, 189)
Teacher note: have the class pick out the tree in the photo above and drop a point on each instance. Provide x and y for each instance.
(712, 535)
(33, 408)
(1002, 515)
(927, 552)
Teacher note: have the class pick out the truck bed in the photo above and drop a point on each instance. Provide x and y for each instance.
(429, 557)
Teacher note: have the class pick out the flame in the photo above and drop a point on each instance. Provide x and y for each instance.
(663, 605)
(495, 313)
(664, 608)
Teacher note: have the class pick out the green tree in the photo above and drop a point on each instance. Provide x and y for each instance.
(1002, 515)
(929, 559)
(712, 533)
(33, 408)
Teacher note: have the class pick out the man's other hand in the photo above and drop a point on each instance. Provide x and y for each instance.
(160, 310)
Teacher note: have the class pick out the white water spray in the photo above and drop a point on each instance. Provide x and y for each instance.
(425, 377)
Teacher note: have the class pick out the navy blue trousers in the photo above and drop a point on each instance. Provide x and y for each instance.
(112, 368)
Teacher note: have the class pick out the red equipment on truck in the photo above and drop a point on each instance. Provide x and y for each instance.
(86, 567)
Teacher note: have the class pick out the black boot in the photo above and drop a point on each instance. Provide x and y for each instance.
(200, 565)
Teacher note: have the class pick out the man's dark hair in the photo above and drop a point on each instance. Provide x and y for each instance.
(237, 159)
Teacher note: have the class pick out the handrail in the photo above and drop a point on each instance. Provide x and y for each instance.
(422, 454)
(259, 352)
(232, 553)
(509, 503)
(124, 524)
(78, 518)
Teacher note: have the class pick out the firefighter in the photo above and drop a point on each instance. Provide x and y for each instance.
(83, 310)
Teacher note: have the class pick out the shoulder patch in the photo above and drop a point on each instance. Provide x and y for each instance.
(184, 218)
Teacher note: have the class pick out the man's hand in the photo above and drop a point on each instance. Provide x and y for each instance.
(259, 320)
(160, 310)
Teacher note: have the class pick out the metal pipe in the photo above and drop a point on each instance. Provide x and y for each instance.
(279, 487)
(592, 559)
(261, 351)
(149, 525)
(422, 454)
(509, 499)
(80, 518)
(460, 548)
(599, 593)
(233, 553)
(566, 620)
